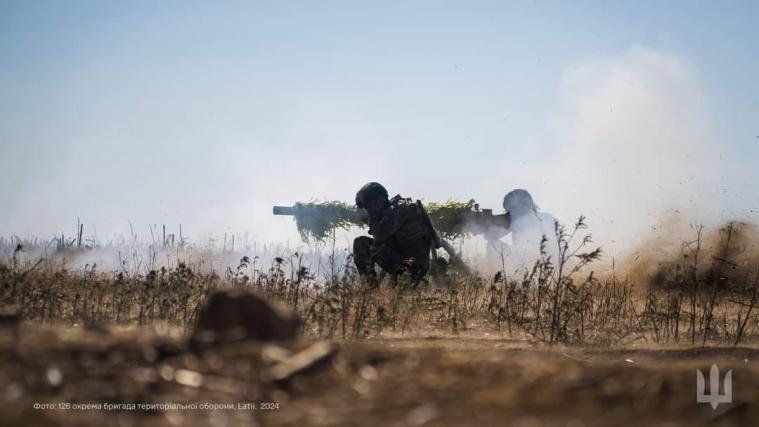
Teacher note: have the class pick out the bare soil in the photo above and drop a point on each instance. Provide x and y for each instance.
(381, 381)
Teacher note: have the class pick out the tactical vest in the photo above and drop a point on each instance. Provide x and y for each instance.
(415, 225)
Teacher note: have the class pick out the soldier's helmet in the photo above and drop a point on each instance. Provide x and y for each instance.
(519, 201)
(369, 192)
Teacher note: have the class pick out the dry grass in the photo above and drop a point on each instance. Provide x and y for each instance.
(692, 300)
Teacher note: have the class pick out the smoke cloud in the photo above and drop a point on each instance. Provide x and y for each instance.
(632, 147)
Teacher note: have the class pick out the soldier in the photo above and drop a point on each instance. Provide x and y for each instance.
(528, 227)
(402, 235)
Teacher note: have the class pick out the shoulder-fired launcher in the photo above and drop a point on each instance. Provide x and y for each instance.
(451, 219)
(484, 222)
(349, 213)
(317, 220)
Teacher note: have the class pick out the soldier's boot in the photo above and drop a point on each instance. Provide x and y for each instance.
(370, 280)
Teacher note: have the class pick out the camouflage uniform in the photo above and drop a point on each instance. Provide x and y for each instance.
(401, 239)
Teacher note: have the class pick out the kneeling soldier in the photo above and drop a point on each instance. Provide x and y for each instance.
(402, 235)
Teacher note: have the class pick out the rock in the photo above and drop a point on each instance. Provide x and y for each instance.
(236, 315)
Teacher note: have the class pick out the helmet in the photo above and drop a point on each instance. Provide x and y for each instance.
(368, 192)
(519, 201)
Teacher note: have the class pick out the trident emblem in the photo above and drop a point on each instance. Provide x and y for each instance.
(714, 398)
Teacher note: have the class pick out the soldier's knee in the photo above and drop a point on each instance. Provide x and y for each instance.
(362, 254)
(362, 244)
(362, 251)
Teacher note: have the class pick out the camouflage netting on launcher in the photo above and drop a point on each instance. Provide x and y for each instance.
(316, 221)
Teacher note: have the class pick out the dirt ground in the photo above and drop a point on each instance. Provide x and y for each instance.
(72, 376)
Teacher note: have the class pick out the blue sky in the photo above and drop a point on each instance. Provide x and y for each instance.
(208, 113)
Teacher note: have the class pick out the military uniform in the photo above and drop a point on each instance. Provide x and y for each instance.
(401, 239)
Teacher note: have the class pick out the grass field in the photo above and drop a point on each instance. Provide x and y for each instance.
(557, 345)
